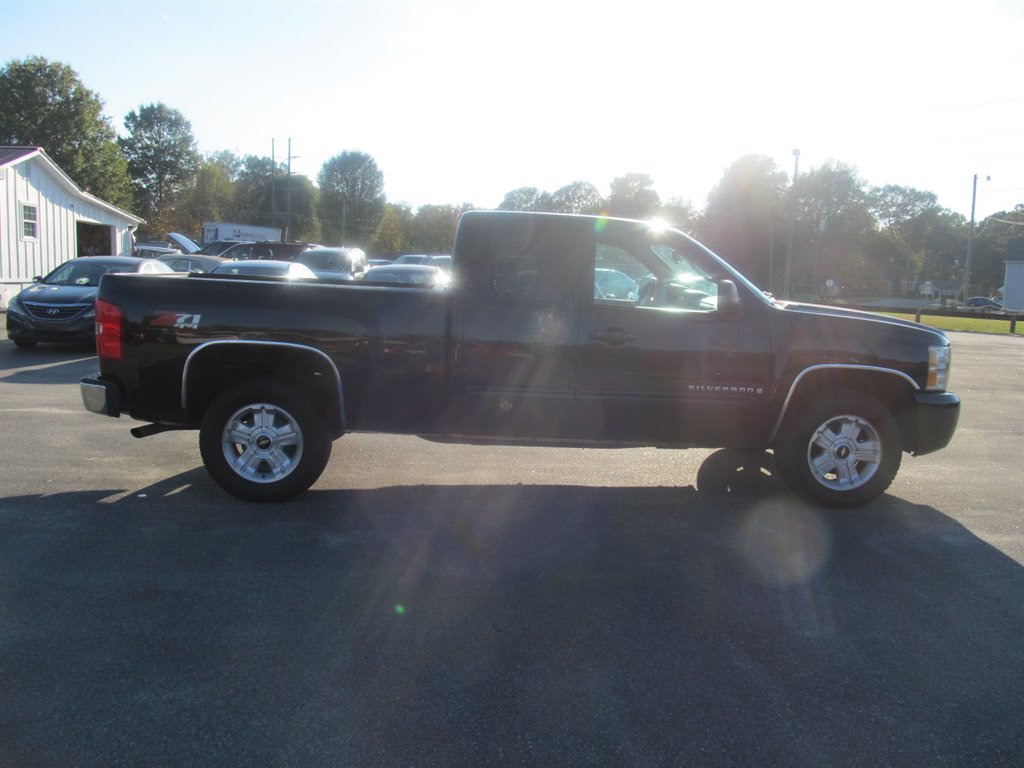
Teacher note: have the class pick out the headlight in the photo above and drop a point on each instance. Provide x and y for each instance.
(939, 359)
(14, 307)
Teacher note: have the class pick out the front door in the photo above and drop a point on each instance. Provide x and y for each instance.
(658, 363)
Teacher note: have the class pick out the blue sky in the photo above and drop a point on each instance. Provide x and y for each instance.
(463, 102)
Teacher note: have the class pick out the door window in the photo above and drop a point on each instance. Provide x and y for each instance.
(651, 272)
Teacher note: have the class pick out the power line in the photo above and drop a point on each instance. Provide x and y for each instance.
(972, 106)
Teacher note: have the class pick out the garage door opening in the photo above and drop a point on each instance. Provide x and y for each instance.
(95, 239)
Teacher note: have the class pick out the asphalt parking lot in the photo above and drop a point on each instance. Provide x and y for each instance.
(431, 605)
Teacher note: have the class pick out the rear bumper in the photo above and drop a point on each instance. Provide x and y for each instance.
(100, 396)
(935, 418)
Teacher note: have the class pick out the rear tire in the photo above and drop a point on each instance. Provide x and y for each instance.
(842, 449)
(263, 443)
(24, 344)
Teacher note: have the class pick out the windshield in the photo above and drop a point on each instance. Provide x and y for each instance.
(84, 273)
(684, 271)
(215, 248)
(325, 260)
(695, 265)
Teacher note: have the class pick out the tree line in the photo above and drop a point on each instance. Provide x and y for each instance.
(829, 230)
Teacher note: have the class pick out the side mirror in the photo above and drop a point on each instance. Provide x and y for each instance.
(37, 279)
(729, 305)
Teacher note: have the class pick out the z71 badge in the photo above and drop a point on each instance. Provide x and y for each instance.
(176, 320)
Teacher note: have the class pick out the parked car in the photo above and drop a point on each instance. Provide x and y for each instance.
(182, 243)
(191, 262)
(62, 305)
(444, 262)
(268, 249)
(413, 258)
(615, 284)
(217, 247)
(274, 250)
(153, 251)
(984, 301)
(334, 263)
(422, 275)
(174, 241)
(265, 268)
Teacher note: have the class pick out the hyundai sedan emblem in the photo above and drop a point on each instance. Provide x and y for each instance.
(53, 311)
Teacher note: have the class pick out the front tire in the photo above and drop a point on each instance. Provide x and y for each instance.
(842, 449)
(263, 443)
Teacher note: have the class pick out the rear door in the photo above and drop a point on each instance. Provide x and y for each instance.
(515, 326)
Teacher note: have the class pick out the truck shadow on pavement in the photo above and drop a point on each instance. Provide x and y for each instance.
(492, 625)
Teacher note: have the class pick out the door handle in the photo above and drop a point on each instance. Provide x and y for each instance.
(613, 337)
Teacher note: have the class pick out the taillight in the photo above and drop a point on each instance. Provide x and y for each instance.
(109, 328)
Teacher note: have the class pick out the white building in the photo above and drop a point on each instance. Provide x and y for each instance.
(47, 219)
(1013, 287)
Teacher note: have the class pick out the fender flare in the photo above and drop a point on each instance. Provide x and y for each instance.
(304, 348)
(825, 366)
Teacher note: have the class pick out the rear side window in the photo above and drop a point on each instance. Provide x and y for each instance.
(517, 258)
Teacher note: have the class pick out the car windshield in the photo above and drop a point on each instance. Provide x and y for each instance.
(695, 266)
(325, 260)
(215, 248)
(83, 273)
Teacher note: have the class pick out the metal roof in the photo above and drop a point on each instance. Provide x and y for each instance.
(10, 155)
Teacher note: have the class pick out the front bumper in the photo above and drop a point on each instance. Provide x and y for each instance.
(22, 327)
(935, 418)
(100, 395)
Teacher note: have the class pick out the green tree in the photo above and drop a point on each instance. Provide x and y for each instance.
(744, 220)
(351, 198)
(577, 197)
(833, 228)
(998, 239)
(943, 237)
(299, 202)
(433, 228)
(633, 196)
(44, 104)
(255, 198)
(212, 197)
(900, 212)
(162, 162)
(525, 199)
(393, 232)
(680, 214)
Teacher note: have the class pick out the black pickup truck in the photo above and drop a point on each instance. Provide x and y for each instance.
(554, 330)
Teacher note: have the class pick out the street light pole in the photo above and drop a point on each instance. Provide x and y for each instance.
(966, 286)
(788, 271)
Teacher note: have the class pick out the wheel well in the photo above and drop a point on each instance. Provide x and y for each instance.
(218, 367)
(890, 389)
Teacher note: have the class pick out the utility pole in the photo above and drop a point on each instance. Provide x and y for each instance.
(273, 185)
(788, 272)
(966, 286)
(288, 221)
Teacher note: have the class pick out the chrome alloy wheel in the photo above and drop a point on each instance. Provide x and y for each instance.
(262, 442)
(844, 453)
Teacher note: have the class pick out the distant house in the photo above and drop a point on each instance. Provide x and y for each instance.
(47, 219)
(939, 289)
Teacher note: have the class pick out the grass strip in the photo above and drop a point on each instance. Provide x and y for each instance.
(968, 324)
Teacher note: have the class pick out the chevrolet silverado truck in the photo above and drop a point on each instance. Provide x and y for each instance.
(554, 330)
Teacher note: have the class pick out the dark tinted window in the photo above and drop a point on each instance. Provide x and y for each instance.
(521, 257)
